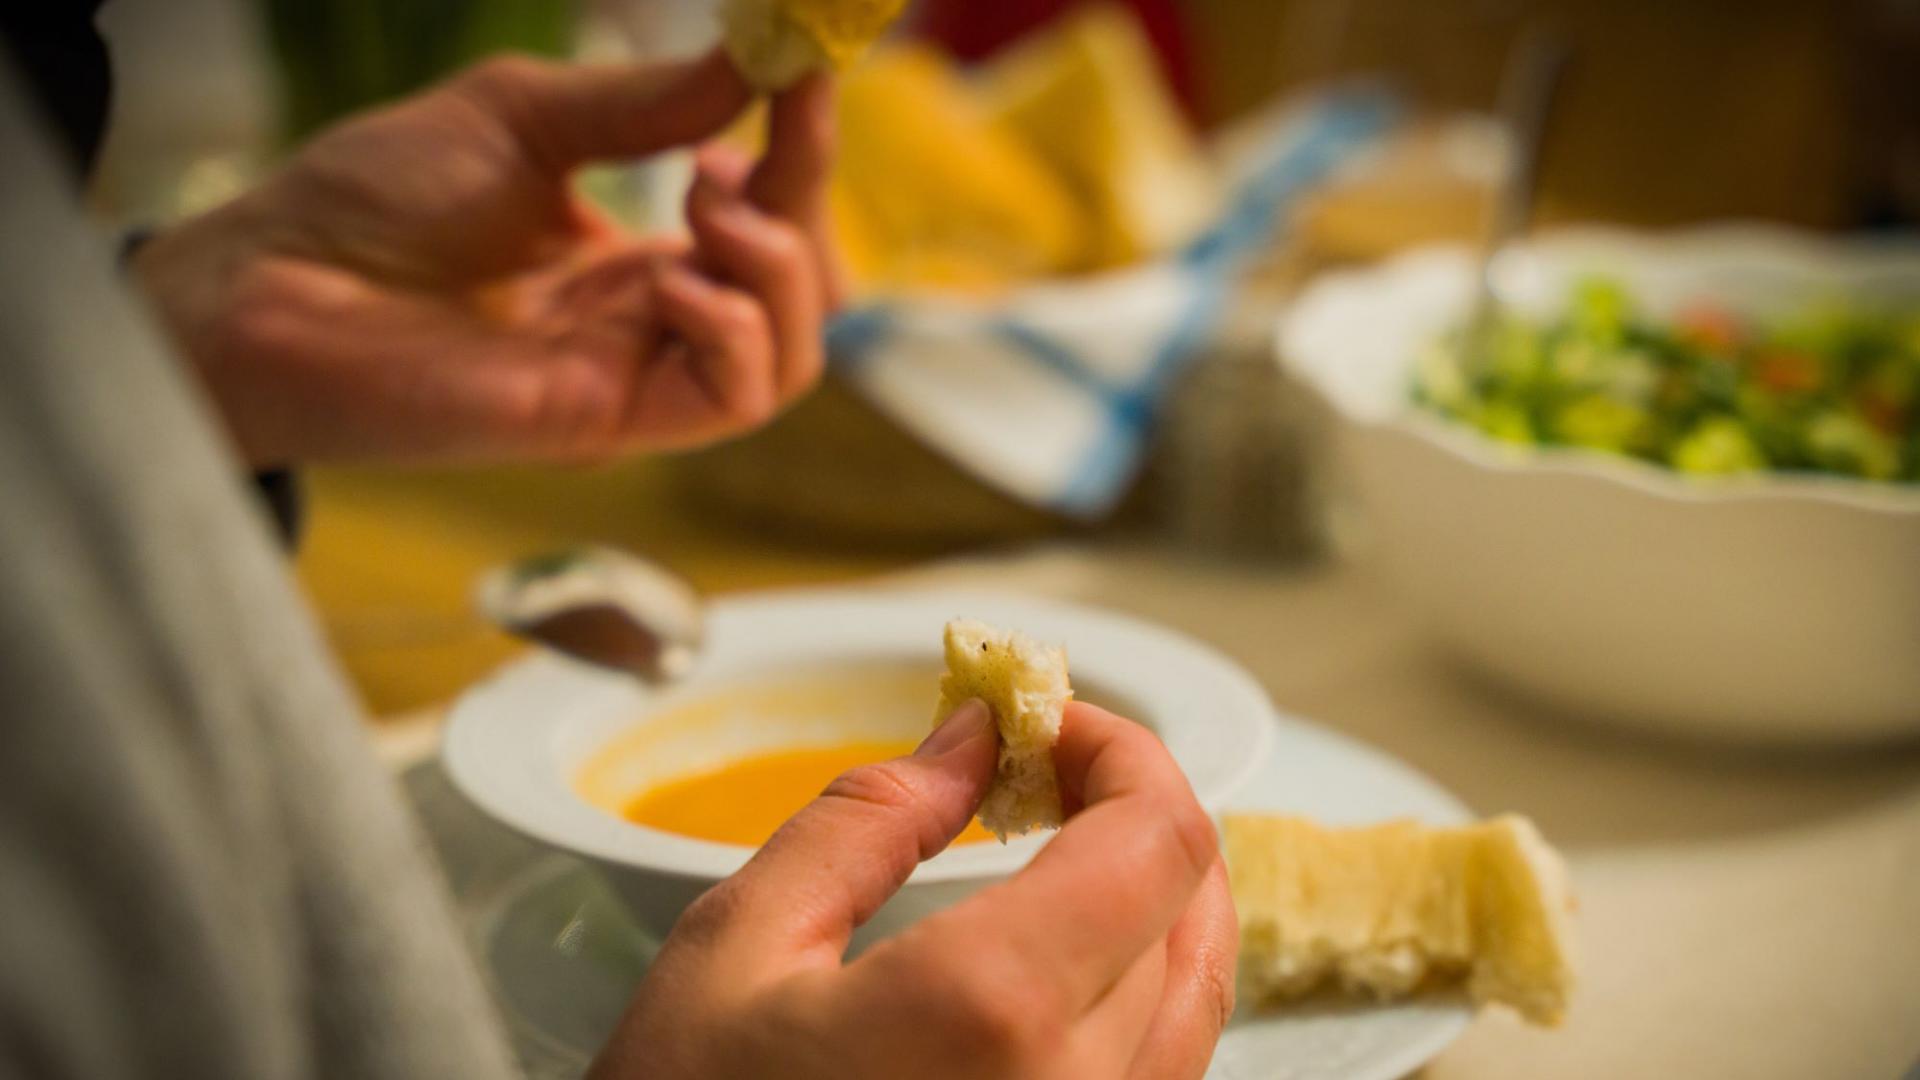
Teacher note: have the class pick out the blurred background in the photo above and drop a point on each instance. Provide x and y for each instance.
(1020, 171)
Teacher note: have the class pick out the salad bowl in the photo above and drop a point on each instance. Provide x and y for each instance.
(1769, 607)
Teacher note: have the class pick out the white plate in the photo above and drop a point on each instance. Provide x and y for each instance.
(1342, 782)
(563, 953)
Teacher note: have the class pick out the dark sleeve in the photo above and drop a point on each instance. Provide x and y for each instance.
(56, 47)
(286, 501)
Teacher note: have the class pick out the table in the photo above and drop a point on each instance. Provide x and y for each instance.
(1742, 915)
(390, 558)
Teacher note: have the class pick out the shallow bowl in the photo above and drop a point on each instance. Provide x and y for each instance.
(554, 749)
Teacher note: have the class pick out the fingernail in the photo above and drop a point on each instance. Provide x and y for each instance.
(963, 724)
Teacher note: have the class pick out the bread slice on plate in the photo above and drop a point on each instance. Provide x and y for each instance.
(1025, 684)
(1394, 908)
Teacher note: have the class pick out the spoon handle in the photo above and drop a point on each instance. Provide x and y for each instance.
(1528, 89)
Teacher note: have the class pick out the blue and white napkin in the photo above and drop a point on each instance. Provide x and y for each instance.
(1049, 395)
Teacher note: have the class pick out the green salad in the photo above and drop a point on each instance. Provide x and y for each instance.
(1834, 390)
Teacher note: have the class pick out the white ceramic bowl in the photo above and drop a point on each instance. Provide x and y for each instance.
(550, 747)
(1773, 609)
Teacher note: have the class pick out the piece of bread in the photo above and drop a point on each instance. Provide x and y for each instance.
(1025, 684)
(1087, 95)
(1394, 908)
(776, 43)
(930, 194)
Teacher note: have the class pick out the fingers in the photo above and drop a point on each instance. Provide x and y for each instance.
(1114, 880)
(728, 342)
(1110, 1035)
(834, 863)
(791, 178)
(361, 372)
(1197, 994)
(725, 166)
(713, 340)
(730, 169)
(773, 260)
(569, 114)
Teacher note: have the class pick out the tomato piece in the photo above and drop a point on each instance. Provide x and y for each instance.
(1709, 328)
(1788, 372)
(1886, 415)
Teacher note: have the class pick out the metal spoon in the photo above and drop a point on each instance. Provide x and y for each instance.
(1527, 91)
(602, 606)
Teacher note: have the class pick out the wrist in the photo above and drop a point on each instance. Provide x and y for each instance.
(190, 274)
(182, 270)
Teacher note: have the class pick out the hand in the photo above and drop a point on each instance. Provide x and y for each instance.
(423, 283)
(1111, 954)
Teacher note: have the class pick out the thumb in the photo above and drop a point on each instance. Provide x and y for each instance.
(570, 114)
(833, 864)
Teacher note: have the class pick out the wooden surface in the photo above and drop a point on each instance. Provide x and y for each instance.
(1673, 112)
(391, 556)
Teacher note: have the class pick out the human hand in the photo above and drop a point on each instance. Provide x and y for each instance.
(422, 282)
(1111, 954)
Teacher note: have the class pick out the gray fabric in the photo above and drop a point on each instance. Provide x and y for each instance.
(203, 871)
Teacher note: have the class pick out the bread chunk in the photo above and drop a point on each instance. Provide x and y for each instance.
(1025, 684)
(1395, 908)
(776, 43)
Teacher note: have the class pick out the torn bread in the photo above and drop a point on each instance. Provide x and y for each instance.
(1399, 907)
(1087, 95)
(776, 43)
(1025, 684)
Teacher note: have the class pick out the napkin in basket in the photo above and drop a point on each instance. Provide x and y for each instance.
(1048, 395)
